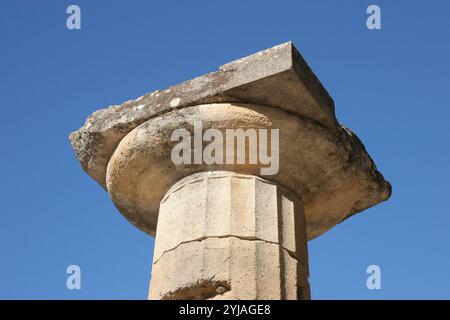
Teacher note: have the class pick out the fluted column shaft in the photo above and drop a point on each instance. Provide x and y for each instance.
(223, 235)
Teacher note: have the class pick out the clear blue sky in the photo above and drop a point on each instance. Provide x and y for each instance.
(391, 86)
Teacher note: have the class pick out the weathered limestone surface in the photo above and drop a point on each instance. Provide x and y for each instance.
(278, 77)
(223, 231)
(228, 268)
(330, 171)
(240, 237)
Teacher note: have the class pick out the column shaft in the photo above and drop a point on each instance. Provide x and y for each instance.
(223, 235)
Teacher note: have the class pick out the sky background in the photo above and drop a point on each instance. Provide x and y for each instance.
(391, 86)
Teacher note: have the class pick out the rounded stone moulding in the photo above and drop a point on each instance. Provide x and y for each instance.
(330, 174)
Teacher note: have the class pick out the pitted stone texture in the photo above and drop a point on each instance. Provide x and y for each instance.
(278, 77)
(329, 171)
(228, 268)
(239, 232)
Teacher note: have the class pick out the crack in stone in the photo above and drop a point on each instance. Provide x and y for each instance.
(290, 252)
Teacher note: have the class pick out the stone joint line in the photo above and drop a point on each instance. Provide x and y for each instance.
(290, 252)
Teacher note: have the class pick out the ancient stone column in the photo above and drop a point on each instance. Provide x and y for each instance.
(232, 229)
(248, 240)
